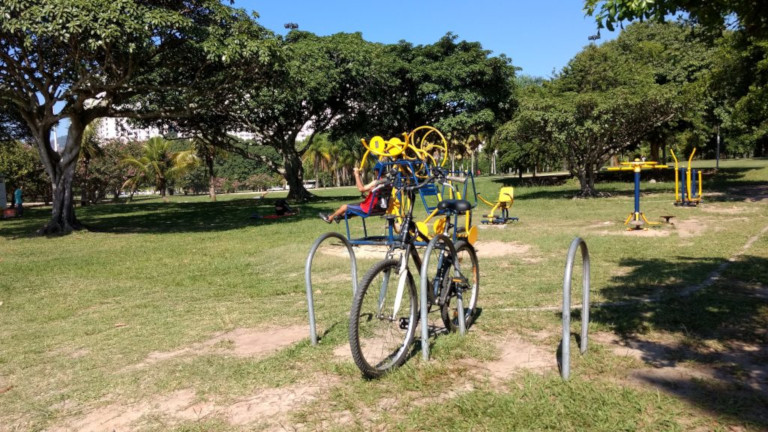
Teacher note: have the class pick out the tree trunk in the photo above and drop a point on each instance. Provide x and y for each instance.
(294, 175)
(654, 156)
(587, 182)
(211, 178)
(61, 171)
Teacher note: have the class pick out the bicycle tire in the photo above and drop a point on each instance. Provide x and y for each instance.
(470, 269)
(380, 343)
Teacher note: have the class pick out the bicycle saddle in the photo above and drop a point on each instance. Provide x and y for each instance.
(457, 206)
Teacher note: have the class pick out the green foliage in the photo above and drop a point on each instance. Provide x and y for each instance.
(454, 85)
(736, 99)
(85, 59)
(527, 141)
(713, 15)
(20, 164)
(159, 165)
(106, 174)
(740, 81)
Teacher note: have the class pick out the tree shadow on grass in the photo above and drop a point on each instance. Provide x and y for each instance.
(709, 347)
(174, 217)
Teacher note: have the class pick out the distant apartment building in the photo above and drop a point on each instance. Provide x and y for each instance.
(120, 129)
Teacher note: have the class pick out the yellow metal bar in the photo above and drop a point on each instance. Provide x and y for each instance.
(677, 177)
(490, 204)
(699, 197)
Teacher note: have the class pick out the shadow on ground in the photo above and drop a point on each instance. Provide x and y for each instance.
(714, 349)
(174, 217)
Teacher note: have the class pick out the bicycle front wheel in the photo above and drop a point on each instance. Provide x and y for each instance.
(383, 319)
(467, 283)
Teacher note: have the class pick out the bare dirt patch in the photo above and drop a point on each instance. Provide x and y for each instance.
(269, 408)
(364, 251)
(494, 249)
(650, 232)
(676, 364)
(239, 342)
(726, 210)
(516, 354)
(690, 227)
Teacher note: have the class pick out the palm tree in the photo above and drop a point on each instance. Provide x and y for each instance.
(318, 155)
(159, 164)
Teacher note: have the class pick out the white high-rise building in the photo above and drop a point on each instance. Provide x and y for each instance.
(110, 128)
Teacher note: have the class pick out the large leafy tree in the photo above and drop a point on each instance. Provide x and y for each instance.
(737, 95)
(79, 60)
(750, 14)
(739, 81)
(328, 84)
(600, 105)
(527, 142)
(321, 84)
(454, 85)
(680, 59)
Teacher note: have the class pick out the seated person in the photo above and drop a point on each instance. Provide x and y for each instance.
(283, 209)
(369, 203)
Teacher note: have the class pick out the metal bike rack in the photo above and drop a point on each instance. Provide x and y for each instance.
(308, 277)
(565, 353)
(424, 302)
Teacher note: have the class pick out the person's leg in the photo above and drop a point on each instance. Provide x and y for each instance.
(333, 216)
(20, 210)
(339, 212)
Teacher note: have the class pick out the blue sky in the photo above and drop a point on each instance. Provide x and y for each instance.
(540, 35)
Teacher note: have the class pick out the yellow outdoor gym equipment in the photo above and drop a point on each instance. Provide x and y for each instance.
(636, 220)
(690, 193)
(425, 143)
(425, 147)
(503, 203)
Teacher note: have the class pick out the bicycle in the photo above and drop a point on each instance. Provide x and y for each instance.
(385, 314)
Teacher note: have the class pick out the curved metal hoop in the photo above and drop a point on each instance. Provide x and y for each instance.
(565, 343)
(308, 276)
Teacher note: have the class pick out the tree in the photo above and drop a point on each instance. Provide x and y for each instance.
(527, 141)
(159, 165)
(599, 105)
(79, 60)
(106, 173)
(456, 86)
(327, 83)
(20, 164)
(89, 149)
(739, 83)
(751, 14)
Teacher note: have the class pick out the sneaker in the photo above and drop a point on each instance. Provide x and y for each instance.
(326, 218)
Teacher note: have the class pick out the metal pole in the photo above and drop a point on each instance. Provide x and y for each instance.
(637, 190)
(717, 151)
(308, 277)
(565, 353)
(424, 285)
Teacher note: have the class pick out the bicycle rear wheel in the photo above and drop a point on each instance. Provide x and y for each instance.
(470, 273)
(380, 329)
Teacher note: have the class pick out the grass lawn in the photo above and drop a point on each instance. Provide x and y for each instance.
(191, 316)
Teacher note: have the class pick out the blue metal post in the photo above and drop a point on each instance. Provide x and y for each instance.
(637, 191)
